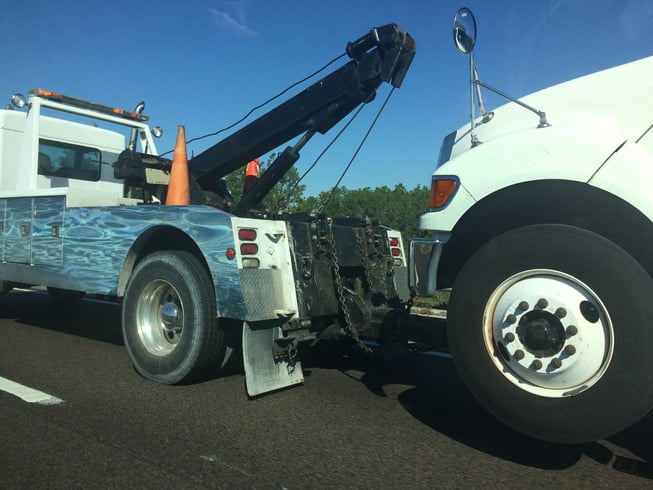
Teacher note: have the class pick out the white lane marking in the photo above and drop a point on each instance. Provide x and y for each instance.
(28, 394)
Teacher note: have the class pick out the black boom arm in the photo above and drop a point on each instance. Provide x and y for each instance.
(382, 55)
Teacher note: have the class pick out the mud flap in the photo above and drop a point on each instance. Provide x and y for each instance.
(264, 372)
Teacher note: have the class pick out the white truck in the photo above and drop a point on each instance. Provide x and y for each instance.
(83, 212)
(541, 217)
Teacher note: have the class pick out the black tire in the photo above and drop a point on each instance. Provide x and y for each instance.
(601, 382)
(169, 320)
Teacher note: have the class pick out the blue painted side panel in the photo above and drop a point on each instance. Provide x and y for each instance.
(47, 228)
(17, 230)
(88, 246)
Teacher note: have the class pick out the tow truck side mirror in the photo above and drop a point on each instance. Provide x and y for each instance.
(464, 30)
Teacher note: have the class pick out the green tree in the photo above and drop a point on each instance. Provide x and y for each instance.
(284, 196)
(396, 208)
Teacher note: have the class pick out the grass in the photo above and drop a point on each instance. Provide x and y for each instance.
(439, 300)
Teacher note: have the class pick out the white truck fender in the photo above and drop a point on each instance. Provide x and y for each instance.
(635, 161)
(572, 152)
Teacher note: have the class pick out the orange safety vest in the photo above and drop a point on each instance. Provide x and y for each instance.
(252, 174)
(253, 169)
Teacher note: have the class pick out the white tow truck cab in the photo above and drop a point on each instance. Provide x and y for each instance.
(65, 157)
(541, 218)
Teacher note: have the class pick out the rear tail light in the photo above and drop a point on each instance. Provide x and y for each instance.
(247, 234)
(251, 263)
(395, 251)
(248, 248)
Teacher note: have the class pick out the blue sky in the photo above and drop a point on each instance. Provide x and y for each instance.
(206, 63)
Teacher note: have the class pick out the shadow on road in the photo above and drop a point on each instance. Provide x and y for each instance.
(637, 440)
(432, 392)
(92, 319)
(426, 385)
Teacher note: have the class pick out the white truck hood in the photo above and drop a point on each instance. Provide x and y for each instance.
(590, 118)
(621, 97)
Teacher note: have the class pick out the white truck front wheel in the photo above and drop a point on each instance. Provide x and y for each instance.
(548, 326)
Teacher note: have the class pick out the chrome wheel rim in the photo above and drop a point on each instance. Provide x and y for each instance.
(160, 318)
(548, 333)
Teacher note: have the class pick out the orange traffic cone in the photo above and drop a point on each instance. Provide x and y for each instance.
(179, 185)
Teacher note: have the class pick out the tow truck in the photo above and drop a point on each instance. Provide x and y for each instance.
(540, 214)
(83, 212)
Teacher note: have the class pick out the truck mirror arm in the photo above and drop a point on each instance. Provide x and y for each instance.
(542, 115)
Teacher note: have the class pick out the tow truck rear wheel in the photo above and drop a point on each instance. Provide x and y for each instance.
(549, 326)
(169, 320)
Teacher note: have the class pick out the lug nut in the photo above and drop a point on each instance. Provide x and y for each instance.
(509, 337)
(561, 312)
(556, 363)
(572, 330)
(523, 306)
(542, 303)
(570, 350)
(511, 319)
(519, 354)
(536, 364)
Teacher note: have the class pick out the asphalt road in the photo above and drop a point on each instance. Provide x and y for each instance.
(356, 422)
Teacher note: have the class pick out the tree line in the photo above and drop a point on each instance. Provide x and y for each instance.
(397, 207)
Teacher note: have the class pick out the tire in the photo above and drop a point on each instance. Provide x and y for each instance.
(549, 327)
(169, 320)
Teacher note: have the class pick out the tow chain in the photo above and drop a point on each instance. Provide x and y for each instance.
(350, 329)
(366, 265)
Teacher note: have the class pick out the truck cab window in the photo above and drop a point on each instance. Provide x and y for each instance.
(59, 159)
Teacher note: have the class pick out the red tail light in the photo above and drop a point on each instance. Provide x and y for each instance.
(248, 249)
(247, 234)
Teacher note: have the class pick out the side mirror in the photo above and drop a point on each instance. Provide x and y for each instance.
(464, 30)
(464, 36)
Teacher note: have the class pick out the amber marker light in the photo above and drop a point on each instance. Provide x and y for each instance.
(442, 190)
